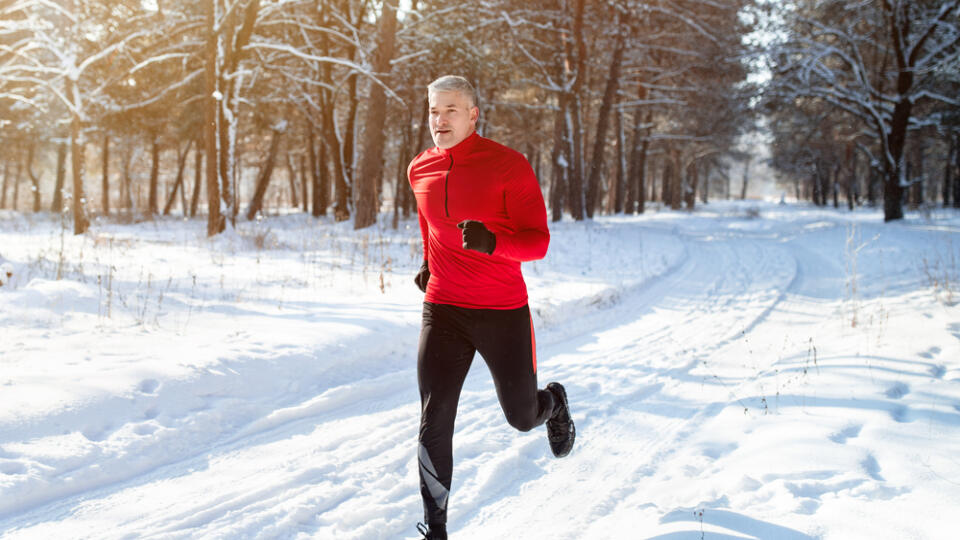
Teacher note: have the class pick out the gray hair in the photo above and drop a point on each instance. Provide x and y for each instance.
(453, 83)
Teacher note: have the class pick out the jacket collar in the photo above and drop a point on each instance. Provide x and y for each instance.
(462, 148)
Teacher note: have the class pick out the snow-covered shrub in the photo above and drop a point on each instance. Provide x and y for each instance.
(6, 272)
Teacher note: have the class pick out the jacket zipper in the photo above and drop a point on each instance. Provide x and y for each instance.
(446, 188)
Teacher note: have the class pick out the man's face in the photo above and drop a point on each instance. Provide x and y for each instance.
(452, 118)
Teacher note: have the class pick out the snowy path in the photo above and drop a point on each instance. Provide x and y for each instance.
(718, 387)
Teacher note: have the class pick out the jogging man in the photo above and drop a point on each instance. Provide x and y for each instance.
(481, 214)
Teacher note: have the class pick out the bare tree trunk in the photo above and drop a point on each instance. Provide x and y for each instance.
(691, 184)
(105, 179)
(956, 181)
(34, 179)
(263, 179)
(305, 193)
(620, 180)
(367, 203)
(400, 177)
(197, 178)
(834, 185)
(152, 201)
(851, 182)
(80, 222)
(215, 220)
(3, 192)
(292, 177)
(561, 157)
(603, 122)
(575, 181)
(666, 183)
(178, 183)
(917, 180)
(707, 173)
(16, 184)
(946, 189)
(57, 204)
(126, 186)
(636, 186)
(319, 175)
(345, 182)
(746, 178)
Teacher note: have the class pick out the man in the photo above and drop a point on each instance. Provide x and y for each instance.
(481, 214)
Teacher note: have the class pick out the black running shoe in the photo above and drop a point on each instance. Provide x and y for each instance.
(434, 532)
(560, 429)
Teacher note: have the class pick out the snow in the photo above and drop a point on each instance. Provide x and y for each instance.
(749, 370)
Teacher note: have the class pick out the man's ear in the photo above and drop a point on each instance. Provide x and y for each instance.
(474, 114)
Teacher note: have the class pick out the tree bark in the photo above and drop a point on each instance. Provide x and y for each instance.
(620, 180)
(666, 180)
(956, 180)
(946, 188)
(367, 202)
(105, 179)
(636, 186)
(3, 191)
(197, 178)
(746, 178)
(178, 183)
(126, 185)
(57, 204)
(576, 197)
(152, 201)
(263, 179)
(603, 122)
(690, 186)
(16, 184)
(215, 220)
(80, 222)
(561, 158)
(305, 191)
(34, 179)
(292, 177)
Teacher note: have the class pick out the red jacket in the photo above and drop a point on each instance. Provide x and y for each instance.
(485, 181)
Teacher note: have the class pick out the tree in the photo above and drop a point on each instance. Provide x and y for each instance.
(875, 62)
(367, 201)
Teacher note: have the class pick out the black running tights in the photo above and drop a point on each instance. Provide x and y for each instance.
(448, 340)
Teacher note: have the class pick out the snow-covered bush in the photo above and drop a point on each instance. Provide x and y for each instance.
(6, 272)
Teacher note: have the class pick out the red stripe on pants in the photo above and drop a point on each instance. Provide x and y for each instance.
(533, 345)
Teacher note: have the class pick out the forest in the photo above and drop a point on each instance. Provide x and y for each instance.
(238, 109)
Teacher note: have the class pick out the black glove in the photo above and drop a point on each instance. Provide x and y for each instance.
(477, 237)
(423, 276)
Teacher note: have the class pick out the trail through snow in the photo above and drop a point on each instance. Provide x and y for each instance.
(788, 376)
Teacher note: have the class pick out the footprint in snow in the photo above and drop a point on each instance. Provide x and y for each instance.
(872, 468)
(847, 433)
(148, 386)
(897, 391)
(900, 414)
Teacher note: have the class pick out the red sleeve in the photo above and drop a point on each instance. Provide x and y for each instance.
(529, 237)
(424, 227)
(424, 233)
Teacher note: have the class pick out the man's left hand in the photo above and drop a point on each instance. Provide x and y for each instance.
(477, 237)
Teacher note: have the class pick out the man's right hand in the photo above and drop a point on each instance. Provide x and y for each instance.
(423, 276)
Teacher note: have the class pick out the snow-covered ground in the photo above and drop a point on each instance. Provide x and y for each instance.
(746, 371)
